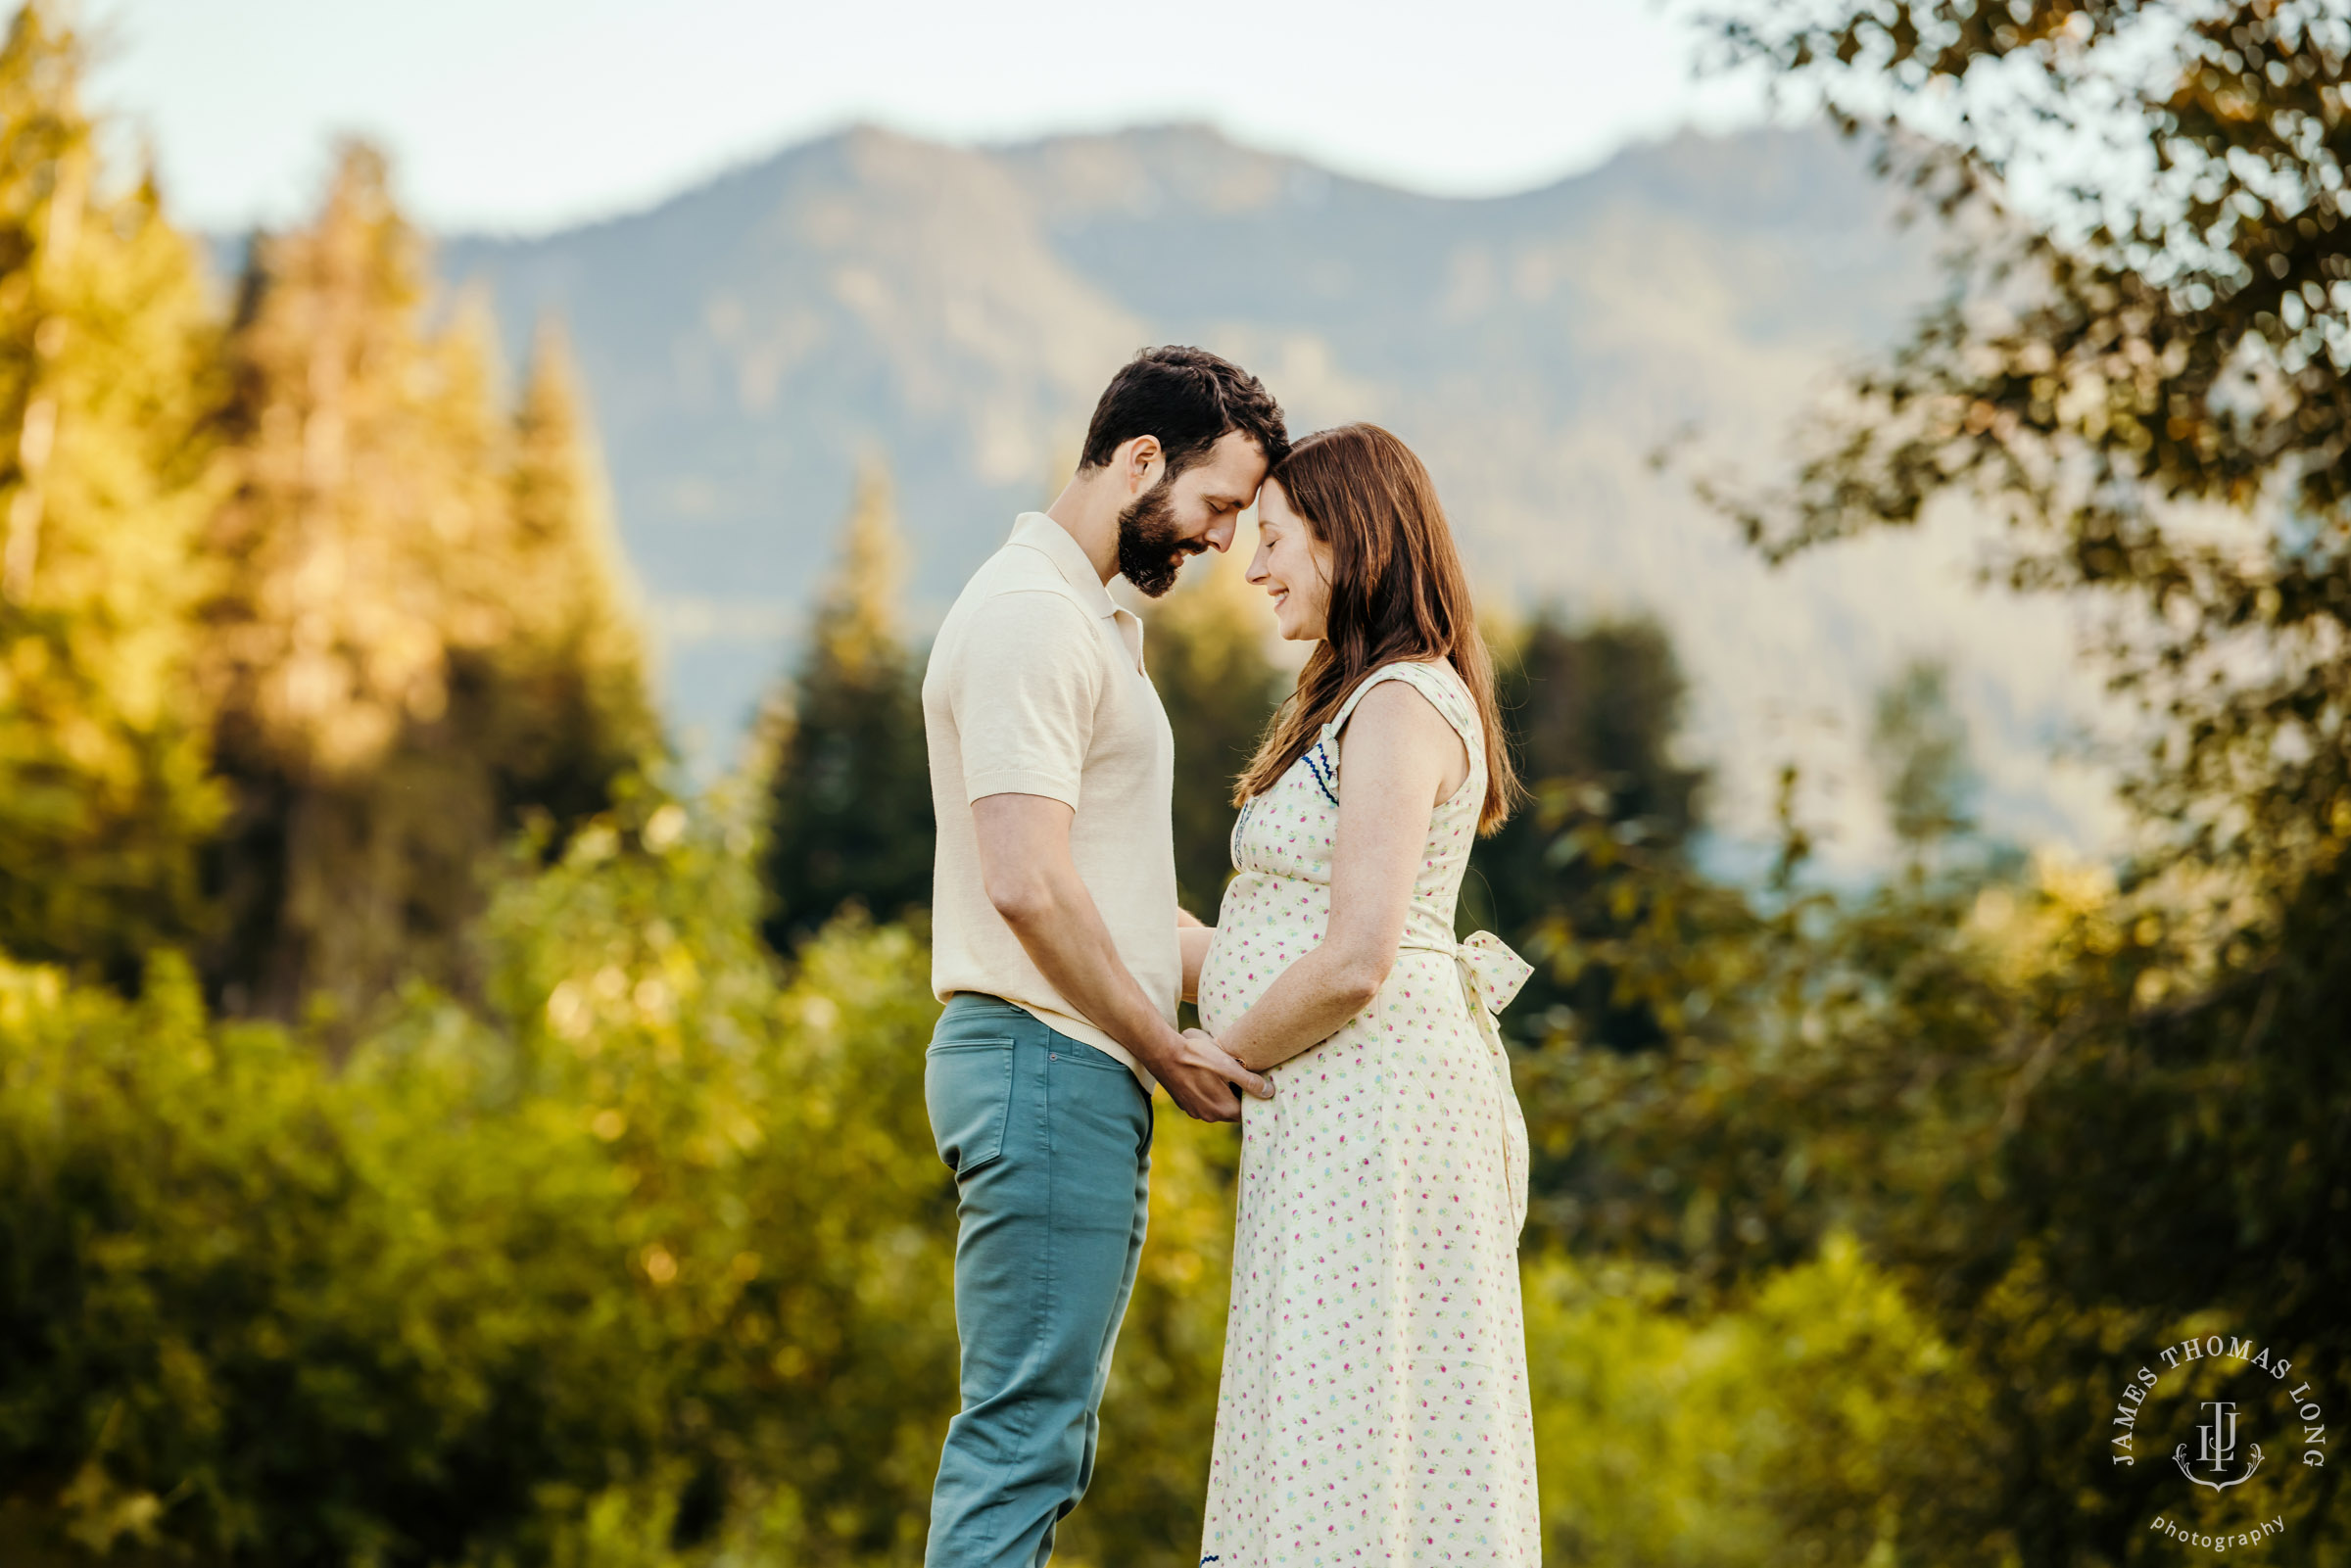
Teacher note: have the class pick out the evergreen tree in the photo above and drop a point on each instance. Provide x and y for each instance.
(849, 815)
(1205, 646)
(104, 791)
(578, 681)
(386, 646)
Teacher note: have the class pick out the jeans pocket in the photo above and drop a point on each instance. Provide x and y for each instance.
(1079, 1054)
(967, 1087)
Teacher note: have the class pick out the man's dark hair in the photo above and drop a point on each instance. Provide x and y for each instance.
(1189, 398)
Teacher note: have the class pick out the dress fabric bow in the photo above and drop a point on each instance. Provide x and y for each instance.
(1491, 974)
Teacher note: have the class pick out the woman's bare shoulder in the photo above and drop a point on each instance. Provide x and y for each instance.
(1397, 715)
(1398, 699)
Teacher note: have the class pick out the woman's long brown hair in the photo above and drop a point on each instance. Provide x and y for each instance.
(1397, 591)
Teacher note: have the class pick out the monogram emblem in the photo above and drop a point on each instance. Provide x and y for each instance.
(2216, 1446)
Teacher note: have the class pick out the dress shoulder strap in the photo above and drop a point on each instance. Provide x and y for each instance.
(1435, 682)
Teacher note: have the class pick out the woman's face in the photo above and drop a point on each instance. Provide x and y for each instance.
(1291, 565)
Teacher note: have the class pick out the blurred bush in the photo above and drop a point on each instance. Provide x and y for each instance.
(1816, 1422)
(661, 1227)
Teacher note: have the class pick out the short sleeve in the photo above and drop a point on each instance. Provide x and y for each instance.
(1023, 688)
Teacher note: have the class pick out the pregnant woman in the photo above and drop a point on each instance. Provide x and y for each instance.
(1374, 1408)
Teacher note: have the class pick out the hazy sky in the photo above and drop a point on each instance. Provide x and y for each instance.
(527, 114)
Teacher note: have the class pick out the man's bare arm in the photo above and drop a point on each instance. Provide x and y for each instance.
(1193, 937)
(1033, 883)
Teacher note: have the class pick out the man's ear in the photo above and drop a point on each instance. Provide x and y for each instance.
(1144, 456)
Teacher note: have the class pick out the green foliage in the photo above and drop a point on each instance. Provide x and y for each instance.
(453, 1302)
(103, 355)
(785, 1206)
(1821, 1419)
(2064, 1127)
(2085, 1119)
(1593, 713)
(850, 815)
(311, 553)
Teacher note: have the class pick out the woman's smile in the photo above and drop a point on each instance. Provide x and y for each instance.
(1292, 566)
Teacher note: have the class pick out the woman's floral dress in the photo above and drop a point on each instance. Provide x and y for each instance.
(1374, 1405)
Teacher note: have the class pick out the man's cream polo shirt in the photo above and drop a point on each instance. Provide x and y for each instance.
(1035, 687)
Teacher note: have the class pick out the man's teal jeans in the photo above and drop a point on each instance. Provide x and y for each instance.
(1050, 1142)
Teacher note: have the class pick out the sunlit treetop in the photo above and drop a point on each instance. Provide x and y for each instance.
(2141, 362)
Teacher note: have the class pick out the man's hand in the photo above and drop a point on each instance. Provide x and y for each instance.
(1200, 1075)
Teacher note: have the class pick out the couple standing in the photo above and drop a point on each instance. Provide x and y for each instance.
(1373, 1407)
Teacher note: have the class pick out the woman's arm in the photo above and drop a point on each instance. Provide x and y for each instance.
(1399, 755)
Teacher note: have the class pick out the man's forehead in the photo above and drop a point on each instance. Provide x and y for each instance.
(1237, 458)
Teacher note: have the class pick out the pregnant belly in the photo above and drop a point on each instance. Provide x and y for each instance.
(1265, 924)
(1423, 988)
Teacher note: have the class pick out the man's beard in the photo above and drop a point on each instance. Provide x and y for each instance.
(1151, 551)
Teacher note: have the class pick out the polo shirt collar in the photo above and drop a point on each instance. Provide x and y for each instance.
(1041, 533)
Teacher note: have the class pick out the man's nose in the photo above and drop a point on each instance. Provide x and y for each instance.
(1220, 535)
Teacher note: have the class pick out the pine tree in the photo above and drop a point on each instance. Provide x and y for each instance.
(104, 790)
(400, 592)
(849, 815)
(577, 676)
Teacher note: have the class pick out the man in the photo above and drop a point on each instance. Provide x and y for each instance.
(1054, 940)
